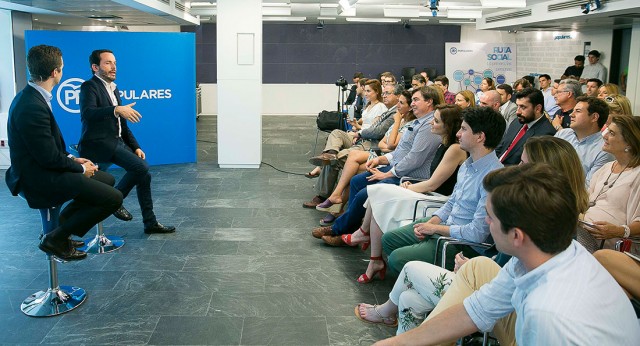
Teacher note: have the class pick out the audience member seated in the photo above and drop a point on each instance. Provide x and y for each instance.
(618, 105)
(568, 91)
(442, 82)
(106, 137)
(614, 191)
(589, 116)
(417, 82)
(531, 122)
(507, 107)
(490, 99)
(356, 160)
(387, 78)
(486, 85)
(374, 107)
(421, 285)
(465, 98)
(353, 91)
(340, 143)
(424, 73)
(463, 215)
(574, 71)
(608, 89)
(518, 86)
(412, 157)
(550, 105)
(532, 300)
(43, 172)
(593, 87)
(390, 206)
(624, 268)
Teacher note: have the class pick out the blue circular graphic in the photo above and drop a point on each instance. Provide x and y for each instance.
(453, 50)
(467, 82)
(458, 75)
(501, 79)
(477, 79)
(471, 72)
(488, 73)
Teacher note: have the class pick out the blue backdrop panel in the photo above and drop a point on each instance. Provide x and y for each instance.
(155, 70)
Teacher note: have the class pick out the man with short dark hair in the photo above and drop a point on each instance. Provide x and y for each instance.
(550, 105)
(588, 117)
(463, 215)
(532, 216)
(352, 92)
(43, 172)
(442, 82)
(106, 137)
(568, 91)
(595, 69)
(531, 122)
(593, 86)
(508, 108)
(574, 71)
(412, 157)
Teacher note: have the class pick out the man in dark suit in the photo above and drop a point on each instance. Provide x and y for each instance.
(106, 137)
(43, 172)
(531, 122)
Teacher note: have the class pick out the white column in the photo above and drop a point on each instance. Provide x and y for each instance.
(239, 62)
(633, 85)
(7, 82)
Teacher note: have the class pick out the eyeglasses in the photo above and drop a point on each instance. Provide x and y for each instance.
(386, 93)
(610, 99)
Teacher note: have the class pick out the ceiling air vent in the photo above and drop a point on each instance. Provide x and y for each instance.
(574, 4)
(164, 1)
(104, 17)
(512, 15)
(180, 6)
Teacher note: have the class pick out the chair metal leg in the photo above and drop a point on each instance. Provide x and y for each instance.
(102, 243)
(56, 299)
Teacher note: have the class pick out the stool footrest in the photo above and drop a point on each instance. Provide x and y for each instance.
(53, 301)
(102, 244)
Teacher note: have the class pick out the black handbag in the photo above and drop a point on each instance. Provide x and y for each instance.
(328, 121)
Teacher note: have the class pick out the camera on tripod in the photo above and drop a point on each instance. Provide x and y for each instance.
(342, 83)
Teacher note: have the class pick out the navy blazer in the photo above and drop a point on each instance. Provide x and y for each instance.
(40, 168)
(99, 124)
(541, 128)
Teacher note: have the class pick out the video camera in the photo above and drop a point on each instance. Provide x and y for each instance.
(342, 83)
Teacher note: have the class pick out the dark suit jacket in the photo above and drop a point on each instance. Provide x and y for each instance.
(541, 128)
(352, 95)
(40, 168)
(99, 124)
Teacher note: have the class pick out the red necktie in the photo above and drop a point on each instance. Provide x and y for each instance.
(521, 133)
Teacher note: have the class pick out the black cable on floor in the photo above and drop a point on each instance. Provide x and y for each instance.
(279, 170)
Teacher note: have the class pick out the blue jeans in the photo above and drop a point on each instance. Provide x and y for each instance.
(137, 175)
(352, 217)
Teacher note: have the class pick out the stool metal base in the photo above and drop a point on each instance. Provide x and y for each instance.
(102, 244)
(53, 302)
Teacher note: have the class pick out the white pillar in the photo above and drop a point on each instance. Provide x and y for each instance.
(633, 85)
(239, 62)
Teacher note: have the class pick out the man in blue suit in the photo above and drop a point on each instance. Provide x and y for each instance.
(106, 137)
(43, 172)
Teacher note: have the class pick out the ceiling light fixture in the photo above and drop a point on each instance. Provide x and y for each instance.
(462, 14)
(284, 19)
(373, 20)
(504, 3)
(346, 4)
(202, 4)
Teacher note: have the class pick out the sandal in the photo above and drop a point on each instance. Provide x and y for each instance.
(328, 220)
(363, 244)
(387, 321)
(365, 279)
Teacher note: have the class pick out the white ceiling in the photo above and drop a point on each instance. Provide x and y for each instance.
(118, 13)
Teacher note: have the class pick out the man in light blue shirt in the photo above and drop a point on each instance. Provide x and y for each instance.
(559, 293)
(549, 102)
(464, 213)
(588, 117)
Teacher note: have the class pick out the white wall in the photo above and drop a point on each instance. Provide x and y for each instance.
(7, 81)
(633, 84)
(539, 52)
(469, 34)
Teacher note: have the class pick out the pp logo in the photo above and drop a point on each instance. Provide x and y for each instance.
(69, 95)
(453, 50)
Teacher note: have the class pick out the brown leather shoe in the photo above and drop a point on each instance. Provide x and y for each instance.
(319, 232)
(333, 240)
(312, 204)
(324, 159)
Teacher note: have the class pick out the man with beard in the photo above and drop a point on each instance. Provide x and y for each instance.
(106, 137)
(531, 122)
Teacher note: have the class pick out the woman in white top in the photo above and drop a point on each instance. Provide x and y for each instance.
(614, 190)
(374, 108)
(486, 85)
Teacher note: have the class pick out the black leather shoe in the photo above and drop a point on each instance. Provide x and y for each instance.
(61, 249)
(76, 243)
(123, 214)
(159, 228)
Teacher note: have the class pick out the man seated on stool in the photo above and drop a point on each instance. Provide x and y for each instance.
(106, 137)
(43, 171)
(558, 291)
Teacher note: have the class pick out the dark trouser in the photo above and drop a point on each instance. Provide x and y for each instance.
(402, 246)
(95, 202)
(137, 175)
(352, 218)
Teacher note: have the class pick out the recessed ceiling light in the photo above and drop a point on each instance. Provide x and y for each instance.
(36, 19)
(59, 22)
